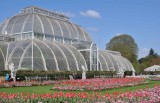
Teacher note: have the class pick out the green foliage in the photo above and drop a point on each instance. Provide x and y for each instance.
(41, 73)
(151, 59)
(91, 74)
(136, 67)
(128, 73)
(124, 44)
(4, 72)
(54, 75)
(152, 53)
(46, 89)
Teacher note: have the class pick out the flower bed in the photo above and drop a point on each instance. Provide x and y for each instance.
(155, 79)
(24, 84)
(147, 95)
(98, 83)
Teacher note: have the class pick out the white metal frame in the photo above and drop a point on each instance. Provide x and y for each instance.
(91, 51)
(13, 25)
(3, 55)
(115, 60)
(68, 30)
(23, 54)
(63, 56)
(6, 63)
(104, 60)
(55, 58)
(80, 54)
(61, 30)
(73, 57)
(83, 34)
(109, 59)
(43, 59)
(121, 62)
(13, 50)
(24, 24)
(41, 26)
(78, 37)
(51, 25)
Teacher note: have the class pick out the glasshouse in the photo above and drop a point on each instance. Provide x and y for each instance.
(38, 39)
(153, 68)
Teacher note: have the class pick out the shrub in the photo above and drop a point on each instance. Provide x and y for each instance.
(55, 75)
(4, 72)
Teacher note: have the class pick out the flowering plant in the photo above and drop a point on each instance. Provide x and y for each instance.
(147, 95)
(24, 84)
(98, 83)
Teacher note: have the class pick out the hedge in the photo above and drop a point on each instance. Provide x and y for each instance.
(54, 75)
(4, 72)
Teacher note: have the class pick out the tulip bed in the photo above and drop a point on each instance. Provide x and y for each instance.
(98, 83)
(147, 95)
(24, 84)
(156, 79)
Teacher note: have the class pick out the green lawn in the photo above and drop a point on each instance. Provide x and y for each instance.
(46, 89)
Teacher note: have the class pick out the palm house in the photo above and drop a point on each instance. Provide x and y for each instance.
(39, 39)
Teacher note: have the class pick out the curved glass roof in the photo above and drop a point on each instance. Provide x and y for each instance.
(3, 51)
(153, 68)
(40, 55)
(109, 62)
(41, 21)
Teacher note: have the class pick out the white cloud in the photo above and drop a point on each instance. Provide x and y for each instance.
(118, 34)
(91, 13)
(69, 14)
(143, 52)
(93, 29)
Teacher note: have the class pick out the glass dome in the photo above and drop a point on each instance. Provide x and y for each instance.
(111, 61)
(39, 39)
(34, 22)
(40, 55)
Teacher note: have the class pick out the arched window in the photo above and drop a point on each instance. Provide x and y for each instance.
(94, 57)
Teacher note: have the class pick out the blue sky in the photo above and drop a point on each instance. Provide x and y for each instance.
(103, 19)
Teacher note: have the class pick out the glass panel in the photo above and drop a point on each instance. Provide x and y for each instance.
(94, 57)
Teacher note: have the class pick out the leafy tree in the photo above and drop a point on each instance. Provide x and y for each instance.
(155, 61)
(126, 45)
(151, 59)
(137, 67)
(151, 52)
